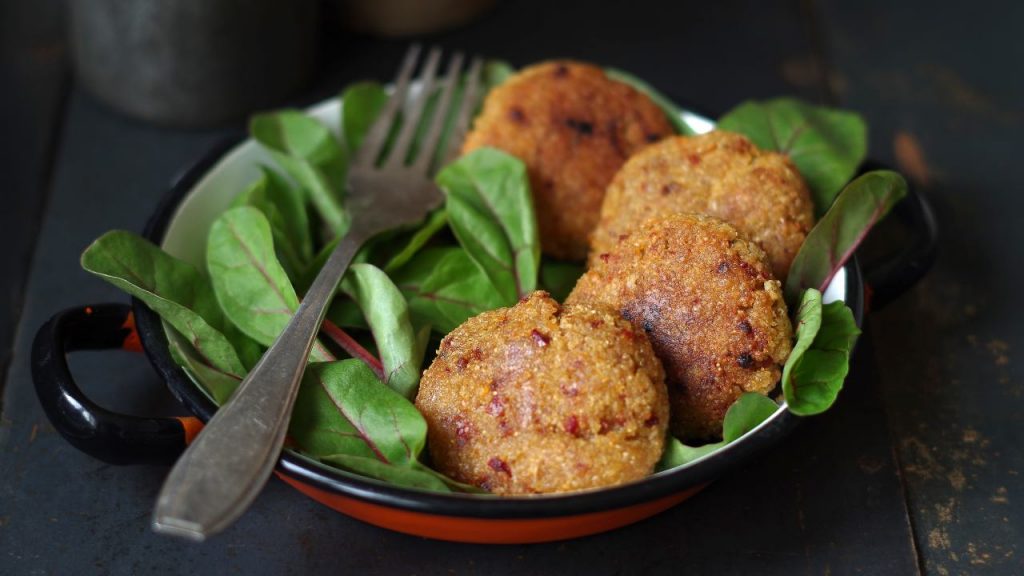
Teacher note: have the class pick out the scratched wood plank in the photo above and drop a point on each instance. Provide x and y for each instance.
(826, 501)
(940, 83)
(32, 77)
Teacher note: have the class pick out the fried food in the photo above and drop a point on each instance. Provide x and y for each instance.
(720, 174)
(539, 398)
(573, 127)
(707, 300)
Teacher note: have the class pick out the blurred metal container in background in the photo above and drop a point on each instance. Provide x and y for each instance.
(193, 63)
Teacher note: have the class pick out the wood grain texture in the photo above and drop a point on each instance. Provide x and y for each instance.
(33, 78)
(941, 88)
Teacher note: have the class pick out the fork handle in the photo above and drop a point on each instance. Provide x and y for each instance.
(227, 465)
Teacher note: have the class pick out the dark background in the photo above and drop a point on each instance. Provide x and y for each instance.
(916, 470)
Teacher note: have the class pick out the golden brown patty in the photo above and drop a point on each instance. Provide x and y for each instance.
(720, 174)
(710, 306)
(573, 127)
(538, 398)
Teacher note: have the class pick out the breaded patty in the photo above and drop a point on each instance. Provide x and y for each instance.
(573, 127)
(707, 300)
(720, 174)
(539, 398)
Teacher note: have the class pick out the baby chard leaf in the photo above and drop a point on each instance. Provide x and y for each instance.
(437, 220)
(251, 286)
(387, 313)
(832, 241)
(745, 414)
(559, 277)
(345, 415)
(673, 113)
(807, 321)
(817, 366)
(413, 477)
(285, 210)
(219, 385)
(444, 288)
(827, 145)
(361, 103)
(174, 289)
(311, 155)
(490, 210)
(496, 72)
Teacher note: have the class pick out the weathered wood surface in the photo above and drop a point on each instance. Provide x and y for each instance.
(916, 468)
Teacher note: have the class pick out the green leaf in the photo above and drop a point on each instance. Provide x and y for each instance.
(174, 289)
(311, 155)
(559, 277)
(672, 112)
(437, 220)
(444, 288)
(251, 286)
(305, 279)
(453, 485)
(833, 240)
(387, 314)
(361, 103)
(249, 351)
(346, 314)
(343, 409)
(416, 477)
(827, 145)
(496, 72)
(745, 414)
(218, 385)
(676, 453)
(367, 100)
(807, 320)
(814, 373)
(286, 212)
(490, 210)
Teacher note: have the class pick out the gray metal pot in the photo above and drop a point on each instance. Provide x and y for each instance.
(193, 63)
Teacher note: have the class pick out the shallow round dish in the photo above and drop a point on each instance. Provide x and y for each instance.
(180, 224)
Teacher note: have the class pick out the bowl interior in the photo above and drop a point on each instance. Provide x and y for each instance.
(187, 229)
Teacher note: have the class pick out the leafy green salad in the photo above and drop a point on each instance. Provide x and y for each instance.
(409, 287)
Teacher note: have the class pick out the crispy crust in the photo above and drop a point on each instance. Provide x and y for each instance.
(720, 174)
(538, 398)
(712, 309)
(573, 127)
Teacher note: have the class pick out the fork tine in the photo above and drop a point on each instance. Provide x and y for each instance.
(466, 109)
(378, 134)
(400, 151)
(427, 152)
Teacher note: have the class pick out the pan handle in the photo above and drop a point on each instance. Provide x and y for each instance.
(108, 436)
(891, 276)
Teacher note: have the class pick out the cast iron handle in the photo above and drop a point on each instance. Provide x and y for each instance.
(895, 274)
(108, 436)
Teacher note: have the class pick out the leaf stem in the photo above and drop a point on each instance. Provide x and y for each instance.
(353, 348)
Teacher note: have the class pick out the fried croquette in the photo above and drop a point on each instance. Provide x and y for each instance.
(540, 398)
(720, 174)
(707, 300)
(573, 127)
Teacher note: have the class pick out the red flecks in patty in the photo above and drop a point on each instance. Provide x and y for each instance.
(499, 465)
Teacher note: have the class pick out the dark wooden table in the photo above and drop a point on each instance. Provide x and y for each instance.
(917, 469)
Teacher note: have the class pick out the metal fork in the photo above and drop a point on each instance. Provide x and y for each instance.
(220, 474)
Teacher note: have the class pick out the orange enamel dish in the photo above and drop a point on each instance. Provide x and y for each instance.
(122, 438)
